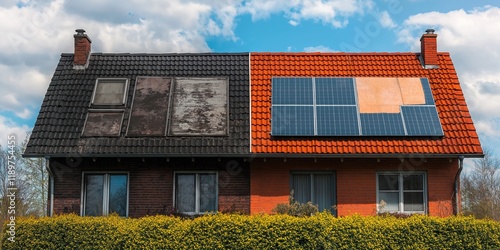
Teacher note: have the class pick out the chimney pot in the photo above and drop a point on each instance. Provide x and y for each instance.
(82, 49)
(80, 31)
(428, 31)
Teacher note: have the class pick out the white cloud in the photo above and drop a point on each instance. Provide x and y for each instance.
(293, 22)
(320, 48)
(332, 12)
(8, 127)
(23, 88)
(386, 21)
(36, 34)
(471, 37)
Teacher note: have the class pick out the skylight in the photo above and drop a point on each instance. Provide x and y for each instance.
(110, 92)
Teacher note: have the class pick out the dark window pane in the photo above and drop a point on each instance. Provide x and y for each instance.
(388, 182)
(208, 191)
(185, 191)
(323, 191)
(391, 201)
(301, 186)
(413, 182)
(94, 185)
(118, 194)
(413, 201)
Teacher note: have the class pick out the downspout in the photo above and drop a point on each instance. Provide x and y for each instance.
(457, 180)
(51, 185)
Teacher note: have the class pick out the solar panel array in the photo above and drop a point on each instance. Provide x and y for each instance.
(328, 106)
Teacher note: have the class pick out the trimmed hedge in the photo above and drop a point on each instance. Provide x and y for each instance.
(229, 231)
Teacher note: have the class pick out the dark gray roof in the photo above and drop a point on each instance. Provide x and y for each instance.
(59, 125)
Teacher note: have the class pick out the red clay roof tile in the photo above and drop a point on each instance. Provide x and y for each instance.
(460, 136)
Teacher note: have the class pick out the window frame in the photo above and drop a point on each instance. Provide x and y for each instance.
(125, 81)
(311, 176)
(105, 202)
(401, 191)
(197, 191)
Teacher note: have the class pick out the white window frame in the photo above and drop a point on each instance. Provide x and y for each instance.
(401, 191)
(105, 202)
(125, 91)
(197, 193)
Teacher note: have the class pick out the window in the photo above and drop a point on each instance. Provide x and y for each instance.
(110, 92)
(105, 118)
(195, 193)
(316, 187)
(402, 192)
(104, 194)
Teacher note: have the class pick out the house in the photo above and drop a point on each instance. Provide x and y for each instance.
(139, 134)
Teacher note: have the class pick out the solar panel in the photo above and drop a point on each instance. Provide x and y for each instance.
(292, 120)
(149, 108)
(292, 91)
(329, 106)
(422, 121)
(335, 91)
(337, 120)
(429, 100)
(382, 124)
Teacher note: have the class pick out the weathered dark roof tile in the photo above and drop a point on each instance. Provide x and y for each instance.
(62, 115)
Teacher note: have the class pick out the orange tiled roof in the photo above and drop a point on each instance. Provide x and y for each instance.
(460, 135)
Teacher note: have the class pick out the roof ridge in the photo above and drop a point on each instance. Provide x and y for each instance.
(160, 54)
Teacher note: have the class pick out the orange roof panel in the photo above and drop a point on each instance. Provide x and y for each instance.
(460, 136)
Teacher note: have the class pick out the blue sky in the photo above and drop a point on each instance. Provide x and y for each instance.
(37, 32)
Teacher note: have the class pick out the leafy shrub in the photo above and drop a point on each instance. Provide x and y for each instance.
(231, 231)
(295, 208)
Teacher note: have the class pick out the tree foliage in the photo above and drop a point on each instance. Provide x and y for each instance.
(28, 184)
(481, 188)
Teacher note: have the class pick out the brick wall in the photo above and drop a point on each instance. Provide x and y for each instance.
(151, 182)
(356, 182)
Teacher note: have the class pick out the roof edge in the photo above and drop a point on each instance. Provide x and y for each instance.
(257, 155)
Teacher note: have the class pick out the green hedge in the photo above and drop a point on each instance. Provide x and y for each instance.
(227, 231)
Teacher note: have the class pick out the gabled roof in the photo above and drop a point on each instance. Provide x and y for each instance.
(460, 137)
(59, 125)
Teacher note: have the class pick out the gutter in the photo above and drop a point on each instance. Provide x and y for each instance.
(456, 183)
(51, 186)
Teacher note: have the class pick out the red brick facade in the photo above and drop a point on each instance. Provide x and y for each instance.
(150, 182)
(255, 187)
(355, 182)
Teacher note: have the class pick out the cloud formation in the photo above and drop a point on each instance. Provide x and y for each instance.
(468, 36)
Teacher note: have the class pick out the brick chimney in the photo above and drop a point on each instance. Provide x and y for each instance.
(82, 49)
(428, 46)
